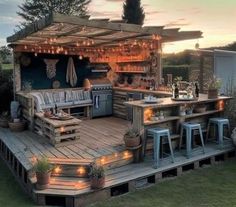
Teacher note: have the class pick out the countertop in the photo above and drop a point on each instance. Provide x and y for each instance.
(168, 102)
(156, 92)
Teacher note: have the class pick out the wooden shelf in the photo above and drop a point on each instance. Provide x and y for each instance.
(123, 71)
(201, 114)
(122, 61)
(170, 118)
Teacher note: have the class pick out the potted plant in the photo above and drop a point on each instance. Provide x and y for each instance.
(132, 138)
(182, 110)
(43, 171)
(97, 176)
(213, 87)
(4, 119)
(189, 109)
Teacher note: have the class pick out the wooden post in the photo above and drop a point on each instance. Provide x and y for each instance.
(16, 73)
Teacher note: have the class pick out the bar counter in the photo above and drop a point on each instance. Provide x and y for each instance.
(166, 114)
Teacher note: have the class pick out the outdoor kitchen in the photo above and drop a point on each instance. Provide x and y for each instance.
(91, 93)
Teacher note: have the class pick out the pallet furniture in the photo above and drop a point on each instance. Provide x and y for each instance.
(28, 104)
(57, 131)
(143, 115)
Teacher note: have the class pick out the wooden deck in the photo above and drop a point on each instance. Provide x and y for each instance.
(100, 139)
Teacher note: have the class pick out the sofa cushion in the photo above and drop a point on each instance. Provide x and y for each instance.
(59, 97)
(39, 100)
(48, 98)
(81, 102)
(77, 95)
(69, 96)
(64, 104)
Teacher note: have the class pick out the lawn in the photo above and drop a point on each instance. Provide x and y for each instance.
(7, 66)
(209, 187)
(11, 195)
(206, 187)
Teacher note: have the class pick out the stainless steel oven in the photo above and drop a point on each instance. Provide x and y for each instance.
(101, 95)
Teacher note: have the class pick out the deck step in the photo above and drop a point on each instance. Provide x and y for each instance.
(115, 160)
(70, 167)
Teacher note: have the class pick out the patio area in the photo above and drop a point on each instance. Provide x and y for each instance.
(101, 139)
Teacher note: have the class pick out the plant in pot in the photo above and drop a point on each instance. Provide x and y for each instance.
(182, 110)
(97, 176)
(213, 87)
(189, 109)
(43, 171)
(4, 119)
(132, 138)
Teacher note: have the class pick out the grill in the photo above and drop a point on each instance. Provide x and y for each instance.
(101, 89)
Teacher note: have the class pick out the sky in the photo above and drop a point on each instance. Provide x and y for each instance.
(215, 18)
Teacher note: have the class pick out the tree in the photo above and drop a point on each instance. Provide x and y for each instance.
(133, 12)
(5, 54)
(32, 10)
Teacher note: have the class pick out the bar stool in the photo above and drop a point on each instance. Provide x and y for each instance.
(157, 134)
(189, 128)
(220, 123)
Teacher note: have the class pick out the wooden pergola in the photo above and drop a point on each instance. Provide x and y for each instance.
(102, 40)
(72, 35)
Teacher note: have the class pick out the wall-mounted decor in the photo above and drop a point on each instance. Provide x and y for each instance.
(71, 76)
(51, 67)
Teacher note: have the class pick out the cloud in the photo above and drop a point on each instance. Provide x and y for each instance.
(115, 0)
(178, 23)
(193, 10)
(104, 14)
(10, 20)
(2, 41)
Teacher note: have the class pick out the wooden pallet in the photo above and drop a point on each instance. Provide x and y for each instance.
(57, 131)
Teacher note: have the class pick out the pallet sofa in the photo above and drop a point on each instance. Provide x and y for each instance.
(66, 99)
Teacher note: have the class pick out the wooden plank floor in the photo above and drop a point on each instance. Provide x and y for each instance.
(127, 173)
(99, 137)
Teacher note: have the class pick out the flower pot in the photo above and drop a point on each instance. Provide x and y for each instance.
(131, 141)
(4, 123)
(43, 180)
(189, 111)
(212, 93)
(17, 126)
(97, 183)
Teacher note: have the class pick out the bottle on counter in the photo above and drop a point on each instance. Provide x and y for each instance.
(196, 90)
(176, 91)
(55, 109)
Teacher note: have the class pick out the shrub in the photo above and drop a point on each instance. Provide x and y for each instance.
(6, 89)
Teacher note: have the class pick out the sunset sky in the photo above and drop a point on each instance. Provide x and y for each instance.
(215, 18)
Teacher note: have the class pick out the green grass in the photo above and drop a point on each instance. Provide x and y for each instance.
(207, 187)
(11, 195)
(211, 187)
(7, 66)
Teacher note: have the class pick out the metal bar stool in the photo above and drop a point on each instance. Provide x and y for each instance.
(189, 128)
(157, 134)
(220, 123)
